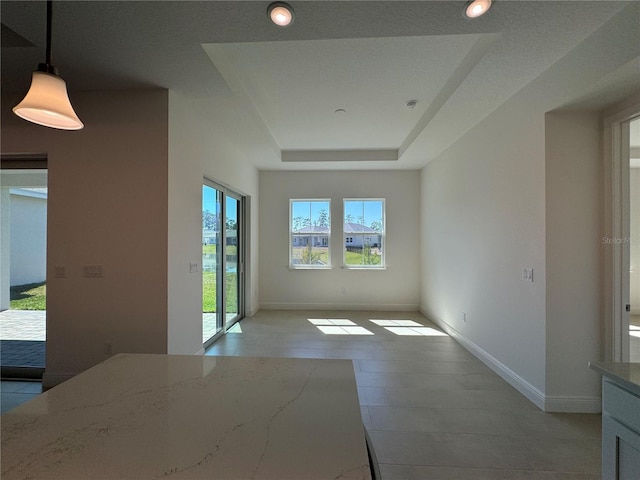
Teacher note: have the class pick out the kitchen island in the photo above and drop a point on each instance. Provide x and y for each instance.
(192, 417)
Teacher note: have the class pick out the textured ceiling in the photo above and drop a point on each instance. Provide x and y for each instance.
(366, 57)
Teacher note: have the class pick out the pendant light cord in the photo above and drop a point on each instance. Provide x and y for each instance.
(47, 67)
(49, 13)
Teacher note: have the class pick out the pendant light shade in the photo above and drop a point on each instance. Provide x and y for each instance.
(47, 102)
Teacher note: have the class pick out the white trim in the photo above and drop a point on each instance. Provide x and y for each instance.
(512, 378)
(400, 307)
(615, 318)
(568, 404)
(572, 404)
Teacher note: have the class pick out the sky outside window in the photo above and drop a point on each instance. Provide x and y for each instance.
(364, 212)
(310, 211)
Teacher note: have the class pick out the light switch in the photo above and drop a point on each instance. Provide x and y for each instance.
(527, 274)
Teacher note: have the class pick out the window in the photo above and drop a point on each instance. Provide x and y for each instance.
(309, 233)
(364, 225)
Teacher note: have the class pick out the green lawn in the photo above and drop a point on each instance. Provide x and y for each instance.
(32, 296)
(320, 255)
(353, 258)
(209, 303)
(231, 249)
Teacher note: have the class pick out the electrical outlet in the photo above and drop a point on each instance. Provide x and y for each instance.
(463, 317)
(60, 271)
(527, 274)
(108, 348)
(193, 267)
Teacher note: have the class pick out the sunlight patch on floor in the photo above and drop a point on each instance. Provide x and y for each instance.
(331, 321)
(235, 328)
(338, 326)
(408, 328)
(396, 323)
(416, 331)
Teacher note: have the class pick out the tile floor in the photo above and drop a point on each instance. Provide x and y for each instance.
(431, 408)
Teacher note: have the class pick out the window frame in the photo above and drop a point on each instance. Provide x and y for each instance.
(351, 236)
(309, 266)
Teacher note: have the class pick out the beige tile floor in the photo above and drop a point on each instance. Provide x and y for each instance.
(432, 409)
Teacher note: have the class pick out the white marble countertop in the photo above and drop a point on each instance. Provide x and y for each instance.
(625, 374)
(192, 417)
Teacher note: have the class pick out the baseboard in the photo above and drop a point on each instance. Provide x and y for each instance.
(50, 380)
(512, 378)
(572, 404)
(199, 352)
(547, 403)
(393, 307)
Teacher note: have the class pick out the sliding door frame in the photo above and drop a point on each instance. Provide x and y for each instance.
(221, 288)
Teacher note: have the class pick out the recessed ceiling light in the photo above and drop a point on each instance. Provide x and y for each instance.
(477, 8)
(411, 104)
(340, 111)
(280, 13)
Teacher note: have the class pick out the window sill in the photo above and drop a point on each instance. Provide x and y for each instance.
(363, 268)
(309, 267)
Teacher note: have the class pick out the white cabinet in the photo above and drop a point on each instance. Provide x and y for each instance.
(620, 420)
(620, 437)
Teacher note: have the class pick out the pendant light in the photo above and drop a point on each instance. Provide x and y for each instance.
(47, 102)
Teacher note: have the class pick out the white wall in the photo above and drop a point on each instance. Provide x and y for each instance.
(28, 239)
(395, 288)
(203, 142)
(108, 206)
(483, 221)
(574, 225)
(634, 278)
(487, 213)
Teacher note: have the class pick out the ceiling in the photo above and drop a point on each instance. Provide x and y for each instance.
(365, 58)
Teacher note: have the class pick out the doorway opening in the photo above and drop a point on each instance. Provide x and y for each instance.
(634, 240)
(223, 253)
(622, 235)
(23, 266)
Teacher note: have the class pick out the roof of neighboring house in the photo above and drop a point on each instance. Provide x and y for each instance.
(312, 229)
(350, 227)
(29, 192)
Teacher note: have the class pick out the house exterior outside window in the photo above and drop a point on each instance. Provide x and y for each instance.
(364, 233)
(309, 233)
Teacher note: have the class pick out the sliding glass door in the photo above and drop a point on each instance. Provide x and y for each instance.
(222, 259)
(232, 265)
